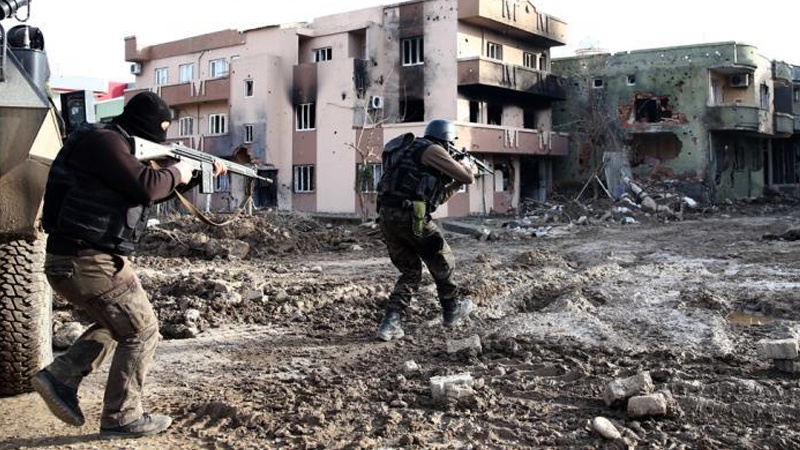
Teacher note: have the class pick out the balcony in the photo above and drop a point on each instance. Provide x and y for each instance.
(204, 91)
(473, 72)
(744, 118)
(782, 71)
(493, 139)
(784, 124)
(218, 145)
(510, 17)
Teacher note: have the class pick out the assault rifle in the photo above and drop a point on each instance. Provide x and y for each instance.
(458, 155)
(201, 162)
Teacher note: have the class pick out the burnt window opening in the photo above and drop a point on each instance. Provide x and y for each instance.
(412, 110)
(360, 77)
(529, 119)
(475, 111)
(785, 164)
(597, 83)
(739, 158)
(652, 109)
(502, 177)
(494, 114)
(485, 112)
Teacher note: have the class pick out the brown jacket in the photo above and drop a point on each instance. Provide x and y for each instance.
(437, 157)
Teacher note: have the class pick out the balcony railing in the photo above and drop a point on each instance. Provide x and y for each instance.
(511, 17)
(495, 139)
(782, 71)
(784, 123)
(204, 91)
(485, 72)
(747, 118)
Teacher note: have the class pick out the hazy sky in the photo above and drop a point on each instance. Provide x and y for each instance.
(86, 37)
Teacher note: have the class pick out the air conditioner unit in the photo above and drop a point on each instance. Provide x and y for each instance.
(739, 80)
(136, 68)
(376, 102)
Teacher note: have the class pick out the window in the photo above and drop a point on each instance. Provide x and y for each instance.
(185, 126)
(216, 124)
(796, 93)
(248, 88)
(477, 111)
(739, 158)
(597, 83)
(323, 54)
(494, 51)
(412, 110)
(764, 91)
(368, 176)
(248, 133)
(543, 61)
(305, 116)
(502, 175)
(162, 76)
(412, 53)
(494, 114)
(303, 179)
(631, 80)
(186, 72)
(529, 118)
(218, 68)
(222, 183)
(529, 60)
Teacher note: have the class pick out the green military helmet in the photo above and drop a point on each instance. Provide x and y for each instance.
(441, 130)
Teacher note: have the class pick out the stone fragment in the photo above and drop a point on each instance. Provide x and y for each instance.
(787, 365)
(620, 389)
(471, 343)
(777, 348)
(647, 405)
(450, 386)
(605, 428)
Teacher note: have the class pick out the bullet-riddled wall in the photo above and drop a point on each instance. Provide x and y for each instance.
(680, 113)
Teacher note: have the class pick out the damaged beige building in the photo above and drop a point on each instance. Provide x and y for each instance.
(313, 103)
(718, 121)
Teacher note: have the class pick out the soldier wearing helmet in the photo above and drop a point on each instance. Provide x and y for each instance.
(419, 175)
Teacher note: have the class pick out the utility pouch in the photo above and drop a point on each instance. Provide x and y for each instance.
(420, 212)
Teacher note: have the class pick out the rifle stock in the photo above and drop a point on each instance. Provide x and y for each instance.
(201, 162)
(463, 153)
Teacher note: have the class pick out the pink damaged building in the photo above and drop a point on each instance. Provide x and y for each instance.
(313, 103)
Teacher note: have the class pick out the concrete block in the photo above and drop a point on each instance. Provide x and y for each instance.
(787, 365)
(619, 390)
(777, 348)
(471, 343)
(647, 405)
(444, 386)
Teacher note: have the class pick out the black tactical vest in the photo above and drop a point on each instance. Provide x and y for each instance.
(80, 207)
(406, 178)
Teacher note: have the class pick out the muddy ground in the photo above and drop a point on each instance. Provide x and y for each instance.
(269, 326)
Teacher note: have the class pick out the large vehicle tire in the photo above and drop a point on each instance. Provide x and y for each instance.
(25, 314)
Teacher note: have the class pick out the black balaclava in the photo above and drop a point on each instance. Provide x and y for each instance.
(143, 115)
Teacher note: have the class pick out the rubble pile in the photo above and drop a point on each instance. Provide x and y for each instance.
(261, 235)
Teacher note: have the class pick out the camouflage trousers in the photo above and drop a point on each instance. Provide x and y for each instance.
(106, 288)
(408, 251)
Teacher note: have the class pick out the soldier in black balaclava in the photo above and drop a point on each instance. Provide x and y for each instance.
(95, 210)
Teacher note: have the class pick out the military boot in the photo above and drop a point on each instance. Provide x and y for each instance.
(61, 399)
(455, 310)
(146, 425)
(390, 326)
